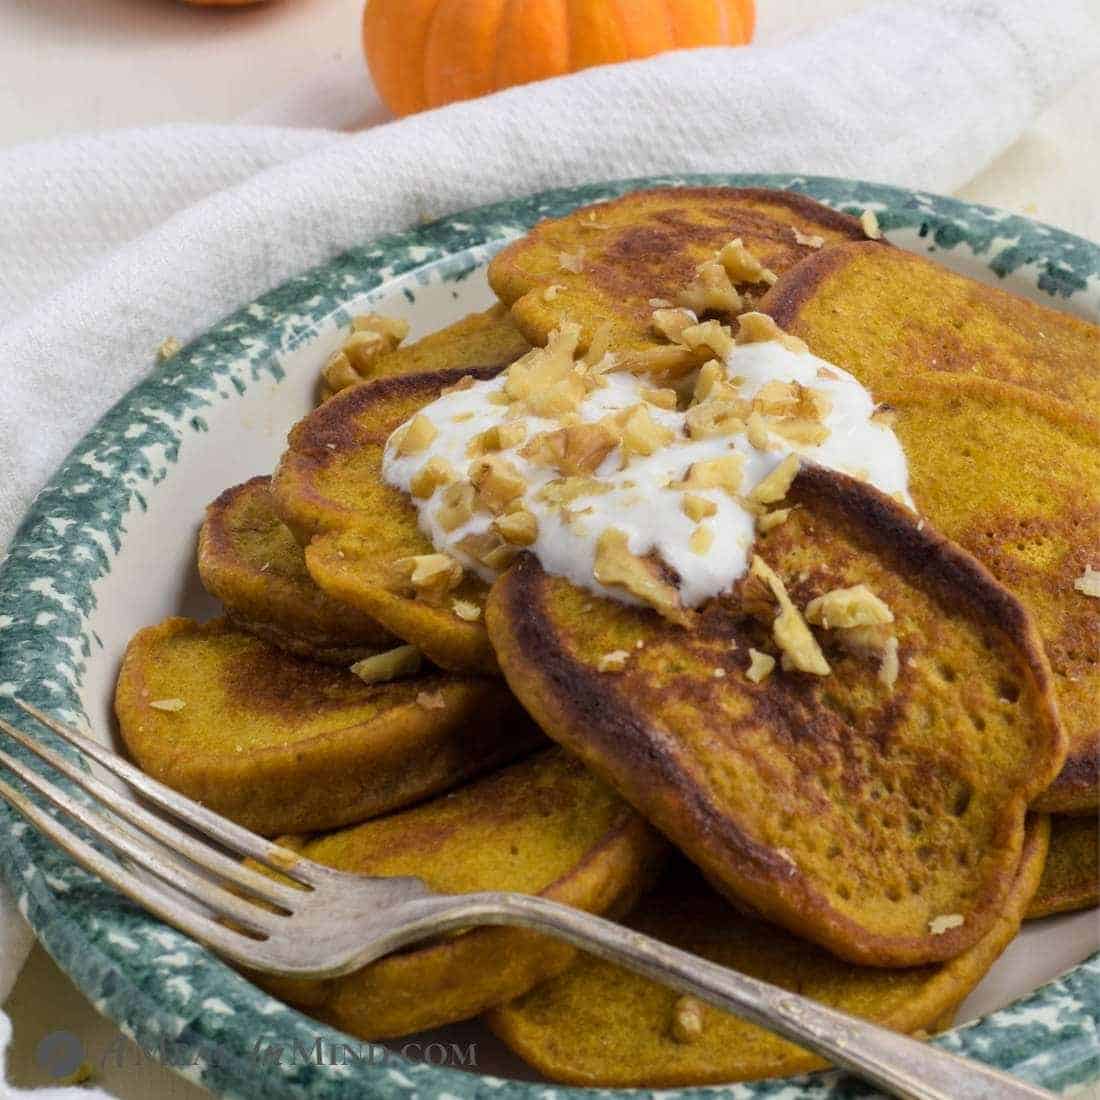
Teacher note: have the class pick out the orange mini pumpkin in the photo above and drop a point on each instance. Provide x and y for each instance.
(424, 53)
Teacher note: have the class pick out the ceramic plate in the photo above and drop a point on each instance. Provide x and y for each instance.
(108, 547)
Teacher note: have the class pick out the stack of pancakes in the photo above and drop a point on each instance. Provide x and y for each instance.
(873, 844)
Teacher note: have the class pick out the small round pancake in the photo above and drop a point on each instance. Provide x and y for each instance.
(610, 261)
(280, 744)
(857, 811)
(600, 1025)
(250, 561)
(329, 490)
(1071, 877)
(545, 826)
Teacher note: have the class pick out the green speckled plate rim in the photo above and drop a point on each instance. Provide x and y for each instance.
(168, 993)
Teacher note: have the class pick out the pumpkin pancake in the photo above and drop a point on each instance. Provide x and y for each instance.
(877, 810)
(599, 1025)
(250, 561)
(608, 262)
(881, 313)
(1014, 477)
(546, 826)
(329, 490)
(1071, 877)
(474, 341)
(281, 744)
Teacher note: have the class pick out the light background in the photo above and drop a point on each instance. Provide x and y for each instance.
(73, 65)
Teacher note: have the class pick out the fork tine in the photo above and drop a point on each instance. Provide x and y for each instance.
(160, 862)
(175, 839)
(225, 832)
(149, 896)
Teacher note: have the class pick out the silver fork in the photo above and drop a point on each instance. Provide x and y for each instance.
(329, 922)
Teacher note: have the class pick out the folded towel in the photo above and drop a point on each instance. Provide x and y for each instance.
(106, 247)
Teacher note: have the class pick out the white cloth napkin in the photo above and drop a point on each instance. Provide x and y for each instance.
(109, 243)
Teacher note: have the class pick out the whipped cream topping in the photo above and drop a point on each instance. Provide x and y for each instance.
(643, 495)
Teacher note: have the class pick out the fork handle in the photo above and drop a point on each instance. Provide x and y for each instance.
(901, 1066)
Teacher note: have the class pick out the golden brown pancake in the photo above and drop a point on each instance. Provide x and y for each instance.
(281, 744)
(609, 260)
(546, 826)
(329, 489)
(882, 313)
(250, 561)
(1071, 877)
(599, 1025)
(474, 341)
(1014, 477)
(883, 822)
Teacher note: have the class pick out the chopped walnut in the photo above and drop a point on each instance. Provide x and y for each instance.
(938, 925)
(715, 473)
(496, 482)
(546, 379)
(415, 436)
(1088, 583)
(371, 337)
(697, 507)
(456, 505)
(807, 241)
(844, 607)
(430, 576)
(464, 383)
(801, 432)
(488, 548)
(711, 374)
(774, 487)
(711, 291)
(518, 528)
(671, 323)
(667, 361)
(760, 667)
(709, 336)
(742, 266)
(615, 661)
(869, 220)
(771, 520)
(467, 611)
(642, 435)
(338, 374)
(434, 473)
(575, 450)
(394, 664)
(617, 567)
(756, 429)
(564, 490)
(701, 540)
(552, 291)
(660, 399)
(792, 635)
(758, 328)
(168, 349)
(713, 418)
(687, 1020)
(500, 437)
(172, 706)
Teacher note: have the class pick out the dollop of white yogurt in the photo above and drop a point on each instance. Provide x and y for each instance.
(640, 499)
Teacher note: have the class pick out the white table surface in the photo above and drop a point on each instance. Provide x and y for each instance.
(73, 65)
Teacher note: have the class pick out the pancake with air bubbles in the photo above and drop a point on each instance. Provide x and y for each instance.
(881, 816)
(602, 1026)
(1071, 876)
(611, 262)
(249, 560)
(278, 743)
(546, 826)
(329, 489)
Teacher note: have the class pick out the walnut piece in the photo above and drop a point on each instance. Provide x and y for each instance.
(671, 323)
(496, 483)
(687, 1020)
(759, 328)
(171, 706)
(415, 436)
(518, 528)
(697, 507)
(546, 379)
(394, 664)
(792, 635)
(642, 435)
(500, 437)
(574, 450)
(615, 661)
(467, 611)
(742, 266)
(869, 220)
(617, 567)
(760, 665)
(488, 548)
(433, 474)
(1088, 583)
(429, 576)
(774, 487)
(701, 540)
(938, 925)
(845, 607)
(456, 505)
(564, 490)
(711, 291)
(715, 473)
